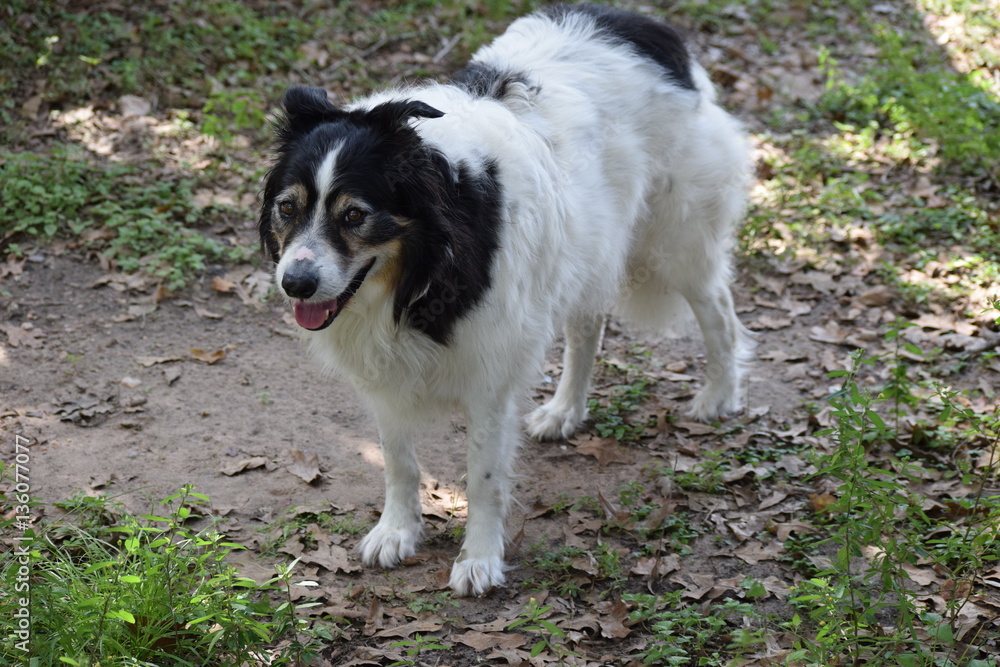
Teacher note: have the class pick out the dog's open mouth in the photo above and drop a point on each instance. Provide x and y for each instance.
(317, 316)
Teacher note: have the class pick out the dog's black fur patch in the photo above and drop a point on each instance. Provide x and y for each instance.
(453, 211)
(655, 40)
(486, 81)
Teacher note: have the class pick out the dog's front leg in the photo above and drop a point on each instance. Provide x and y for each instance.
(398, 531)
(492, 444)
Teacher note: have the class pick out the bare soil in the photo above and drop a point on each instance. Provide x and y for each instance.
(117, 403)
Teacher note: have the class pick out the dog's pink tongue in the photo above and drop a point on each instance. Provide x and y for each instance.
(313, 315)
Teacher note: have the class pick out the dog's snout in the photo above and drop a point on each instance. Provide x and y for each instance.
(300, 280)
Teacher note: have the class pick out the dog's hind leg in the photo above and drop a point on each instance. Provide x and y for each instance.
(727, 346)
(492, 445)
(398, 531)
(561, 416)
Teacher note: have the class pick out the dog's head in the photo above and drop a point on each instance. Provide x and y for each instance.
(343, 198)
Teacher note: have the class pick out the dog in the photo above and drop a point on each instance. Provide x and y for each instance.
(433, 241)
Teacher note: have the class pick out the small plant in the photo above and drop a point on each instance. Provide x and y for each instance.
(683, 635)
(416, 646)
(904, 92)
(611, 420)
(558, 570)
(565, 503)
(297, 523)
(420, 604)
(532, 620)
(111, 586)
(147, 226)
(705, 476)
(863, 609)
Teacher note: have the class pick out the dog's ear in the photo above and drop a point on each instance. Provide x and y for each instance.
(389, 116)
(303, 108)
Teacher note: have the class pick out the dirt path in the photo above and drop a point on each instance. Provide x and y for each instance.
(115, 402)
(126, 407)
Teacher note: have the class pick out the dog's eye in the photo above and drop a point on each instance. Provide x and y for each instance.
(354, 216)
(287, 208)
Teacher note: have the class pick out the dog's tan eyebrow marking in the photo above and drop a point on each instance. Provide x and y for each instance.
(346, 201)
(296, 192)
(280, 227)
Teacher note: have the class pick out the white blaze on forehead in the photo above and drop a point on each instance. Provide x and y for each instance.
(324, 177)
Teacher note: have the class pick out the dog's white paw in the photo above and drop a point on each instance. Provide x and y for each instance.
(712, 402)
(555, 422)
(388, 545)
(475, 576)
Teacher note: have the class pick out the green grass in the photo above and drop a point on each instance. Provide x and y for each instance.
(844, 609)
(111, 588)
(139, 224)
(191, 51)
(613, 416)
(683, 634)
(297, 523)
(912, 89)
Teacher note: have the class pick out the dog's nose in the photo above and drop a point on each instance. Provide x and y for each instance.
(299, 282)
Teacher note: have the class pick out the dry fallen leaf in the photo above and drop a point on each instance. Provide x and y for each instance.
(614, 613)
(482, 641)
(880, 295)
(695, 586)
(245, 464)
(831, 333)
(171, 374)
(921, 576)
(134, 312)
(208, 314)
(373, 620)
(605, 450)
(946, 322)
(220, 284)
(769, 321)
(818, 280)
(612, 511)
(161, 293)
(754, 552)
(25, 335)
(412, 628)
(12, 267)
(956, 590)
(152, 361)
(303, 465)
(333, 557)
(776, 497)
(695, 428)
(133, 105)
(208, 357)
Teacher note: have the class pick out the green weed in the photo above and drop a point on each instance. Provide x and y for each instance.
(611, 419)
(297, 523)
(863, 609)
(705, 476)
(551, 638)
(136, 224)
(416, 646)
(178, 49)
(117, 589)
(420, 604)
(684, 635)
(913, 91)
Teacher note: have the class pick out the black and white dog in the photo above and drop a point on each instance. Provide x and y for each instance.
(433, 240)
